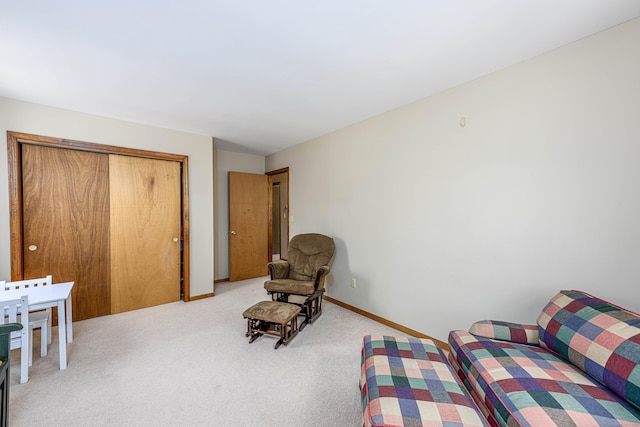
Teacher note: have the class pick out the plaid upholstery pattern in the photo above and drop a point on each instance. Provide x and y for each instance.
(407, 382)
(598, 337)
(453, 361)
(526, 385)
(506, 331)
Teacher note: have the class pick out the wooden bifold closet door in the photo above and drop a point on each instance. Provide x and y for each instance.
(110, 223)
(145, 232)
(65, 204)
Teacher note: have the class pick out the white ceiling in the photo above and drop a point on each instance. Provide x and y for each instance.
(262, 75)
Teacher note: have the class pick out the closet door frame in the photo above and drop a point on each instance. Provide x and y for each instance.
(14, 143)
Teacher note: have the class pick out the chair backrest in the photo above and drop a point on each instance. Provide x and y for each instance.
(16, 311)
(23, 284)
(307, 253)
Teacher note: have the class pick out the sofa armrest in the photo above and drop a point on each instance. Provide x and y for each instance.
(278, 269)
(506, 331)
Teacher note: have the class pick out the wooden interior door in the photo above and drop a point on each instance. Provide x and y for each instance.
(248, 225)
(145, 232)
(279, 180)
(65, 195)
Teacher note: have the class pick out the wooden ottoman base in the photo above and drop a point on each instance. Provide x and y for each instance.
(275, 318)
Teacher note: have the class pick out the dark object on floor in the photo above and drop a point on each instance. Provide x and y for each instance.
(5, 379)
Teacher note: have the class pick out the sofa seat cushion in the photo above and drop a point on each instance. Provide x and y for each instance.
(598, 337)
(527, 385)
(407, 382)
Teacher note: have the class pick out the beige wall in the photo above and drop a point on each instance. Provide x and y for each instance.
(228, 161)
(41, 120)
(443, 225)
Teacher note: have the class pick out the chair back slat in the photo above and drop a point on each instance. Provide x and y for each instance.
(24, 284)
(10, 311)
(16, 311)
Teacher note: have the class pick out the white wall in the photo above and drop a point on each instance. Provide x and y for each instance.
(54, 122)
(443, 225)
(228, 161)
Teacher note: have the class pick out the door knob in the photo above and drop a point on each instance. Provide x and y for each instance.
(233, 232)
(175, 240)
(33, 248)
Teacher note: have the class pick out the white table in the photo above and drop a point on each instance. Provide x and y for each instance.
(55, 295)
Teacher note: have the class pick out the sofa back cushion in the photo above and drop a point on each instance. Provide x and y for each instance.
(600, 338)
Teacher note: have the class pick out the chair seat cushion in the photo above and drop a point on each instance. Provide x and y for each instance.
(289, 286)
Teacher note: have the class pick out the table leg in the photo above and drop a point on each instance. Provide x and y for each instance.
(62, 334)
(69, 321)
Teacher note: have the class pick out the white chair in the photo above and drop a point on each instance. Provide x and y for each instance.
(17, 311)
(37, 319)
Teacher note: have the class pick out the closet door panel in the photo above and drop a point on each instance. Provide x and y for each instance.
(66, 223)
(145, 232)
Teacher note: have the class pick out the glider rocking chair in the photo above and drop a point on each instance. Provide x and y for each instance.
(300, 280)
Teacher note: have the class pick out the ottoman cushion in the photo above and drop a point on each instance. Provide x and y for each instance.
(272, 311)
(407, 382)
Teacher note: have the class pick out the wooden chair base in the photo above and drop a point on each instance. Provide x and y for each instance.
(310, 305)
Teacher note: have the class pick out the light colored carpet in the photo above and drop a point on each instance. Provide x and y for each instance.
(189, 364)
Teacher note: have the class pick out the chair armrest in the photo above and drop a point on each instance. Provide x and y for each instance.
(320, 275)
(322, 271)
(278, 269)
(506, 331)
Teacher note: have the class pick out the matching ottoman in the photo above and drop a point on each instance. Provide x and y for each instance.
(272, 318)
(407, 382)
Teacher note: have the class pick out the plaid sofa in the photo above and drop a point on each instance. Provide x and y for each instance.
(579, 366)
